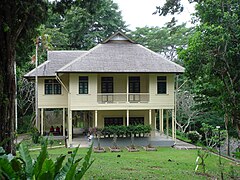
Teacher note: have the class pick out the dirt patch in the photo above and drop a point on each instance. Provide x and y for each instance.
(205, 175)
(155, 167)
(128, 169)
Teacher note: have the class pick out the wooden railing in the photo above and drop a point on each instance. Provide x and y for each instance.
(123, 97)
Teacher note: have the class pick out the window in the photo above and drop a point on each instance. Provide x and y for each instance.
(83, 85)
(136, 120)
(107, 84)
(134, 84)
(52, 86)
(113, 121)
(161, 84)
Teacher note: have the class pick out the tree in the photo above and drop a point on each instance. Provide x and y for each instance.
(17, 19)
(185, 109)
(212, 58)
(211, 135)
(82, 27)
(165, 40)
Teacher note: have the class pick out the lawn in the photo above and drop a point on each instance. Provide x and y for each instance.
(166, 163)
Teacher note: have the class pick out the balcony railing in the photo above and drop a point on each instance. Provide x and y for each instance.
(122, 98)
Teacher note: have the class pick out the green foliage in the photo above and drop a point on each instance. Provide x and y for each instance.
(194, 136)
(182, 136)
(27, 161)
(126, 130)
(24, 167)
(51, 141)
(25, 124)
(163, 40)
(35, 135)
(203, 154)
(70, 25)
(237, 153)
(84, 25)
(211, 135)
(211, 59)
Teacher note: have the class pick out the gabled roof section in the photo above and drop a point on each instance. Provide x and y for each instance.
(120, 54)
(118, 36)
(55, 61)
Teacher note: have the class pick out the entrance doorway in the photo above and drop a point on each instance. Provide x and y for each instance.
(82, 122)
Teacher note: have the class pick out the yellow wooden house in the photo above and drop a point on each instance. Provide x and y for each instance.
(118, 82)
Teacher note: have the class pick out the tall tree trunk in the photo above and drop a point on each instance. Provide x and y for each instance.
(226, 120)
(7, 90)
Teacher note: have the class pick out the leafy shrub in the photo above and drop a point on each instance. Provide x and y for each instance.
(25, 124)
(24, 167)
(194, 136)
(126, 130)
(35, 135)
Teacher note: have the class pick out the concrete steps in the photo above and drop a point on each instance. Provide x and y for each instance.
(184, 145)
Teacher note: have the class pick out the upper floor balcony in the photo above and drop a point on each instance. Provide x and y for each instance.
(122, 89)
(122, 98)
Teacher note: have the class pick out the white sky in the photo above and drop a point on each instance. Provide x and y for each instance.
(138, 13)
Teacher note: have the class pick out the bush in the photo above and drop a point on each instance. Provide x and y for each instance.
(194, 136)
(35, 135)
(43, 167)
(126, 130)
(24, 124)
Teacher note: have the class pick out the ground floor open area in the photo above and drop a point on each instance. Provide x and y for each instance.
(73, 124)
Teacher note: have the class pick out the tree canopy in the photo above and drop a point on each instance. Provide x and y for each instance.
(71, 25)
(212, 58)
(80, 27)
(18, 18)
(165, 40)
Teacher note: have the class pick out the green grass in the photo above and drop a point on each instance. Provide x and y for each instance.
(32, 145)
(166, 163)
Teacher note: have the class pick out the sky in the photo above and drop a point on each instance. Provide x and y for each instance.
(139, 13)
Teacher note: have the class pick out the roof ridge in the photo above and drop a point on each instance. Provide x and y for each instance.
(73, 61)
(115, 34)
(67, 50)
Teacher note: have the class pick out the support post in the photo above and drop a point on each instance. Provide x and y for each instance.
(70, 127)
(160, 120)
(127, 89)
(150, 117)
(36, 81)
(155, 121)
(175, 108)
(96, 114)
(127, 117)
(173, 124)
(64, 115)
(42, 112)
(167, 123)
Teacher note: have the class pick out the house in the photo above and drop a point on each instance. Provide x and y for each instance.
(118, 82)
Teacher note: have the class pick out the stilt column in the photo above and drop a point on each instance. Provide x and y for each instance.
(64, 115)
(127, 117)
(150, 117)
(96, 114)
(167, 123)
(42, 112)
(161, 120)
(173, 124)
(70, 127)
